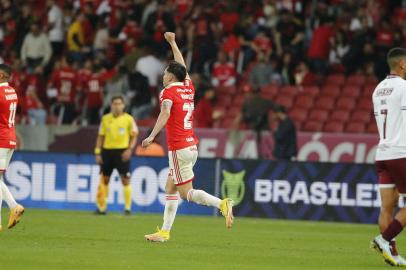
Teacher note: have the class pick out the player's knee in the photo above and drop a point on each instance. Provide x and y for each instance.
(183, 194)
(125, 181)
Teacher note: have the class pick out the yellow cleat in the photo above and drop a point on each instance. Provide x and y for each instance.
(1, 228)
(226, 209)
(15, 216)
(159, 236)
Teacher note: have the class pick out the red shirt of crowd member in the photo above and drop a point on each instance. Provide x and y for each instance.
(223, 72)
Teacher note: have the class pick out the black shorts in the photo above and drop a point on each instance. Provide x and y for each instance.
(112, 160)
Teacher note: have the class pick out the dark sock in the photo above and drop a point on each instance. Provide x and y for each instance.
(392, 231)
(393, 248)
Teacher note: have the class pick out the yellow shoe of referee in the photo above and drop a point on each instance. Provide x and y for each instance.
(15, 216)
(226, 209)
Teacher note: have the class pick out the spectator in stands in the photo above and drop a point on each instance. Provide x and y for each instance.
(262, 44)
(55, 27)
(34, 107)
(205, 115)
(151, 67)
(64, 84)
(286, 68)
(303, 75)
(263, 72)
(101, 39)
(223, 72)
(338, 50)
(289, 33)
(285, 138)
(141, 97)
(153, 150)
(36, 50)
(254, 111)
(319, 47)
(93, 89)
(76, 38)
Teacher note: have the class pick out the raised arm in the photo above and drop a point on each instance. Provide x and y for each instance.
(170, 38)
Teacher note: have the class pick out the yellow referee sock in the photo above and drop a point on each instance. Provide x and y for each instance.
(102, 194)
(127, 197)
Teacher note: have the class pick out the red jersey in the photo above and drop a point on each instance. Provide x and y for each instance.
(94, 91)
(179, 128)
(8, 108)
(223, 72)
(64, 80)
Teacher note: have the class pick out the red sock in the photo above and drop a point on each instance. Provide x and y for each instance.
(392, 231)
(393, 248)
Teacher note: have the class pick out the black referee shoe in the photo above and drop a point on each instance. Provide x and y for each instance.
(100, 213)
(127, 212)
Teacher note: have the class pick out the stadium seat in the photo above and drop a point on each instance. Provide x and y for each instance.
(318, 115)
(312, 126)
(286, 101)
(325, 103)
(361, 116)
(355, 127)
(270, 90)
(226, 89)
(336, 79)
(238, 100)
(365, 104)
(224, 100)
(353, 91)
(372, 128)
(330, 90)
(304, 101)
(356, 80)
(340, 116)
(333, 127)
(298, 114)
(311, 90)
(371, 79)
(368, 90)
(233, 111)
(289, 90)
(345, 103)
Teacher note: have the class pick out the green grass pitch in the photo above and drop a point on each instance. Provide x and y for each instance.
(55, 240)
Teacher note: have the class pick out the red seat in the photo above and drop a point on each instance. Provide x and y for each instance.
(368, 90)
(340, 116)
(233, 111)
(304, 101)
(312, 126)
(286, 101)
(289, 90)
(330, 90)
(311, 90)
(298, 124)
(270, 90)
(226, 89)
(371, 79)
(318, 115)
(353, 91)
(333, 127)
(365, 104)
(224, 100)
(361, 116)
(336, 79)
(325, 103)
(356, 79)
(298, 114)
(372, 128)
(355, 127)
(227, 123)
(345, 103)
(238, 100)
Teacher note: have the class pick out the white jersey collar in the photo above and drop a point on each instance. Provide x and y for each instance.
(175, 84)
(4, 84)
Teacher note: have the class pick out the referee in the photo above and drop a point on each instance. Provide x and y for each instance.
(114, 147)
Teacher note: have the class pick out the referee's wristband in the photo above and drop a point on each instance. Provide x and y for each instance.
(97, 151)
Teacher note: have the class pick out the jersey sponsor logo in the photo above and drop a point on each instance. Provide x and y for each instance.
(13, 143)
(186, 90)
(190, 139)
(185, 96)
(121, 131)
(384, 92)
(9, 90)
(11, 97)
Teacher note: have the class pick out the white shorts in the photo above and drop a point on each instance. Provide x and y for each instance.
(5, 157)
(181, 164)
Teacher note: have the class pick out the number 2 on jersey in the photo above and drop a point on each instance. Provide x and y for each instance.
(384, 112)
(188, 107)
(12, 116)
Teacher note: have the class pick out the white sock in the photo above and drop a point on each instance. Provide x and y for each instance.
(1, 202)
(171, 206)
(7, 195)
(202, 197)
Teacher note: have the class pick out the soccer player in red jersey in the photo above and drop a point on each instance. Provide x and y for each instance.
(177, 105)
(8, 141)
(389, 99)
(93, 90)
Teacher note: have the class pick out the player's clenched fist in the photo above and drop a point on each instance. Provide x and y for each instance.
(170, 37)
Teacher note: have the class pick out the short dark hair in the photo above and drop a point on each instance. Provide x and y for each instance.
(393, 56)
(6, 69)
(117, 97)
(178, 70)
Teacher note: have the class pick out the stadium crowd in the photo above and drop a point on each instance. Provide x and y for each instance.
(70, 57)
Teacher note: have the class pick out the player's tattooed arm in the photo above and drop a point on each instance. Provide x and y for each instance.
(160, 122)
